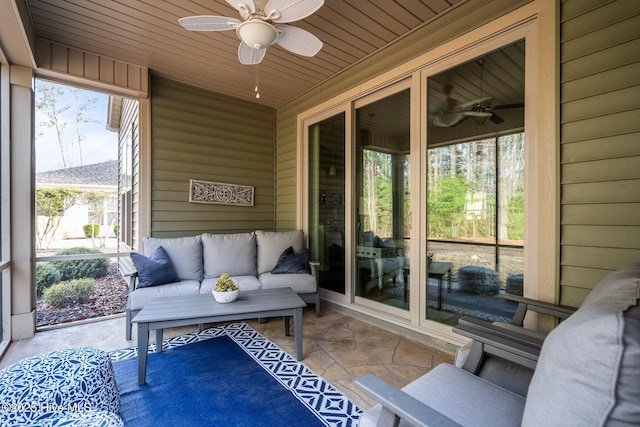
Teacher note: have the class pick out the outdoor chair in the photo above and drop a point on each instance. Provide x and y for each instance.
(585, 373)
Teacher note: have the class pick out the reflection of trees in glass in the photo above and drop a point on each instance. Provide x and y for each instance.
(377, 188)
(462, 194)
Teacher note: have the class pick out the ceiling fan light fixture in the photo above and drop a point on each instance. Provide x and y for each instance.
(257, 33)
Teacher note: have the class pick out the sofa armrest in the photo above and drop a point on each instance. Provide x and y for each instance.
(128, 272)
(526, 304)
(397, 404)
(313, 265)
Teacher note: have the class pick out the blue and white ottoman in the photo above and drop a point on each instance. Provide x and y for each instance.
(74, 386)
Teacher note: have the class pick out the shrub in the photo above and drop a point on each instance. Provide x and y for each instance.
(46, 275)
(87, 228)
(67, 293)
(77, 269)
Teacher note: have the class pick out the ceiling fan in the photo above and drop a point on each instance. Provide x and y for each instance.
(261, 25)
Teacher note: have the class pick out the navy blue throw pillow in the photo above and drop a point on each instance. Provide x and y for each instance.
(154, 270)
(292, 263)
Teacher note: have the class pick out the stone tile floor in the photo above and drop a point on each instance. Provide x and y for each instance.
(336, 346)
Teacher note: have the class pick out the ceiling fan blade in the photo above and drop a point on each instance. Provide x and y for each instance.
(245, 7)
(496, 119)
(208, 23)
(469, 104)
(484, 114)
(249, 55)
(281, 11)
(448, 120)
(298, 41)
(507, 106)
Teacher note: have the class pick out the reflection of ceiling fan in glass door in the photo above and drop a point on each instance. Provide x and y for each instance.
(450, 112)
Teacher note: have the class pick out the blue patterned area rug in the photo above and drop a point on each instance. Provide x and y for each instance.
(227, 375)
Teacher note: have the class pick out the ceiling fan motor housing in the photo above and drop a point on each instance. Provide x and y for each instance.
(257, 33)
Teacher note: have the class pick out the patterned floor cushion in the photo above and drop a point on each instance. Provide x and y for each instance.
(58, 383)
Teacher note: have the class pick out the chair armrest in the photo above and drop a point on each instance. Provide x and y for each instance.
(522, 337)
(525, 304)
(398, 404)
(497, 344)
(128, 272)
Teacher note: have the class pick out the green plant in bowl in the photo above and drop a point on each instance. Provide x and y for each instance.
(225, 290)
(225, 284)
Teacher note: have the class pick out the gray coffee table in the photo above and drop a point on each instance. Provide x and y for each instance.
(175, 311)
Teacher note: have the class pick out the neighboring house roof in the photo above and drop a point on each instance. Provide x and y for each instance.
(97, 174)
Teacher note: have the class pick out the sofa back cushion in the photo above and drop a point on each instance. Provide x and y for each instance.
(272, 243)
(185, 254)
(234, 254)
(589, 367)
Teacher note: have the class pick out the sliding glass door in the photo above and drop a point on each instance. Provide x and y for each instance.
(383, 200)
(326, 206)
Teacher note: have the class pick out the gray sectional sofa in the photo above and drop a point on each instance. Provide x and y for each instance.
(199, 261)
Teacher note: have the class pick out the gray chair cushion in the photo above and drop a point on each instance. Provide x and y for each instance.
(589, 367)
(300, 283)
(461, 396)
(245, 283)
(185, 254)
(234, 254)
(272, 243)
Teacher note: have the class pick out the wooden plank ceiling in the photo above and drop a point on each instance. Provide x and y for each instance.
(147, 33)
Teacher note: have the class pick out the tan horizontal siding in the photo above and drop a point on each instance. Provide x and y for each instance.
(600, 258)
(618, 78)
(601, 214)
(601, 192)
(607, 236)
(600, 142)
(627, 168)
(601, 148)
(206, 136)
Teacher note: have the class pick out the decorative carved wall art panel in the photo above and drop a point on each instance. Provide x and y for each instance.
(220, 193)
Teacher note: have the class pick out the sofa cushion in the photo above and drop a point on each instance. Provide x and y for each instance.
(154, 270)
(185, 254)
(589, 367)
(271, 244)
(292, 263)
(245, 283)
(300, 283)
(141, 296)
(234, 254)
(444, 389)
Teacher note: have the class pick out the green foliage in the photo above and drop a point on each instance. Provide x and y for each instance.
(515, 227)
(67, 293)
(76, 269)
(446, 207)
(225, 284)
(52, 203)
(91, 230)
(115, 229)
(46, 275)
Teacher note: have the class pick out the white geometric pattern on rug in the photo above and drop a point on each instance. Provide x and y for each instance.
(319, 396)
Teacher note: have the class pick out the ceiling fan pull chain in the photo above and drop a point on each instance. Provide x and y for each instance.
(257, 82)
